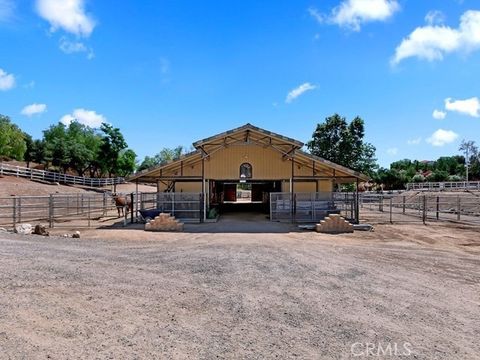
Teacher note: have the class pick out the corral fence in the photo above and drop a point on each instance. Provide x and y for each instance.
(439, 186)
(312, 207)
(420, 207)
(187, 207)
(56, 209)
(82, 209)
(42, 175)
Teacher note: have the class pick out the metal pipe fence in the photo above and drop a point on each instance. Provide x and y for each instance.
(34, 174)
(403, 208)
(311, 207)
(56, 209)
(187, 207)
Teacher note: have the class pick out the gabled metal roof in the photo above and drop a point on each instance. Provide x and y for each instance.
(296, 145)
(244, 128)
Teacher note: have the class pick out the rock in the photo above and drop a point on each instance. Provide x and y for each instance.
(24, 229)
(76, 235)
(3, 230)
(41, 230)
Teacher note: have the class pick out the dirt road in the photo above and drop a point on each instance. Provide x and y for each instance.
(204, 295)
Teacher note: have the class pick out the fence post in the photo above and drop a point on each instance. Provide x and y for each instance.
(19, 209)
(391, 206)
(131, 204)
(403, 203)
(438, 208)
(14, 211)
(458, 208)
(104, 204)
(50, 211)
(380, 204)
(88, 215)
(424, 210)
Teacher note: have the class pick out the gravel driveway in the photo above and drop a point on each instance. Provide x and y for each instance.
(198, 295)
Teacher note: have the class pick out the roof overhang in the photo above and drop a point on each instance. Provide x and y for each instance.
(249, 134)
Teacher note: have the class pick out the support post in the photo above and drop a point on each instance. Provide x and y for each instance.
(403, 203)
(292, 189)
(204, 200)
(357, 210)
(437, 213)
(131, 212)
(136, 200)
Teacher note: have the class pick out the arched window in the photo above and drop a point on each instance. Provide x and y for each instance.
(245, 171)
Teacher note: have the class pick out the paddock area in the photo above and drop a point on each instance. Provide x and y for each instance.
(110, 294)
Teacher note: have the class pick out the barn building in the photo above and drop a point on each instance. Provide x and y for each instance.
(253, 161)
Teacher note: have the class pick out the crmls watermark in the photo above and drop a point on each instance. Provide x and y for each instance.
(381, 349)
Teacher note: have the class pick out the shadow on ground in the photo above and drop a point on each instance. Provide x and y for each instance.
(238, 222)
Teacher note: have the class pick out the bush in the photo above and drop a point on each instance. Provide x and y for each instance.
(418, 178)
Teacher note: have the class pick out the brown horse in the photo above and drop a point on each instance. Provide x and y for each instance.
(122, 202)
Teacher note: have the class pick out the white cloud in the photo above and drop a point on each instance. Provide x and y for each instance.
(469, 107)
(439, 114)
(7, 10)
(71, 47)
(435, 17)
(7, 81)
(442, 137)
(68, 15)
(392, 151)
(414, 141)
(292, 95)
(317, 15)
(353, 13)
(85, 117)
(432, 42)
(33, 109)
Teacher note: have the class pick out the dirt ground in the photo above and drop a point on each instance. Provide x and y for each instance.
(13, 186)
(213, 292)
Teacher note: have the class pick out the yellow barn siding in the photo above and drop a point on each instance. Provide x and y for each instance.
(305, 186)
(325, 186)
(267, 164)
(188, 186)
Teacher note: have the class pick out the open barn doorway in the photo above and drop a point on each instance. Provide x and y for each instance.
(248, 198)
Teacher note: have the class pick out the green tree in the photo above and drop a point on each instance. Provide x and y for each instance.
(30, 149)
(56, 147)
(127, 162)
(390, 178)
(12, 139)
(111, 145)
(83, 145)
(164, 156)
(472, 159)
(343, 143)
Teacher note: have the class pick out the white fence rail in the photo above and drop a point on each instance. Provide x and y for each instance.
(34, 174)
(439, 186)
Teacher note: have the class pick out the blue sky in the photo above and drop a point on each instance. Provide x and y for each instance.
(168, 73)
